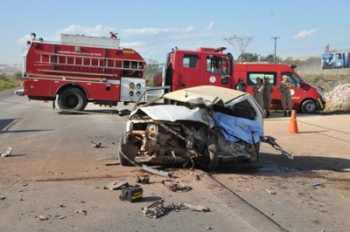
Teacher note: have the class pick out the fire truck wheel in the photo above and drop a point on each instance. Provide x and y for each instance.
(308, 107)
(72, 99)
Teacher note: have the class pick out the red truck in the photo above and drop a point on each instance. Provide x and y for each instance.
(209, 66)
(82, 69)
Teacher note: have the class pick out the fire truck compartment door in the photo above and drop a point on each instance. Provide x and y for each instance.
(131, 88)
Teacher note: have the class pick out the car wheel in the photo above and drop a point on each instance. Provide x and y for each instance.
(213, 157)
(121, 155)
(255, 157)
(72, 99)
(308, 107)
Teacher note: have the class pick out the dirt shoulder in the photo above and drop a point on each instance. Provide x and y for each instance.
(309, 193)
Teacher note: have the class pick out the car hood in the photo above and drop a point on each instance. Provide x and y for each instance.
(173, 113)
(210, 95)
(207, 93)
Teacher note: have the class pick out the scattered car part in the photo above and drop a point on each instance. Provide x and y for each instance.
(116, 185)
(95, 145)
(174, 186)
(144, 179)
(154, 210)
(199, 208)
(7, 153)
(131, 193)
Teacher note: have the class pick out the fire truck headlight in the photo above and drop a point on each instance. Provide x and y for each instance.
(131, 93)
(138, 86)
(132, 86)
(138, 93)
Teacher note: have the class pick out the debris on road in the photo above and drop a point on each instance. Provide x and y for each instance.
(61, 216)
(316, 183)
(7, 153)
(157, 209)
(199, 208)
(42, 217)
(175, 186)
(131, 193)
(144, 179)
(95, 145)
(116, 185)
(82, 211)
(2, 198)
(269, 190)
(196, 177)
(154, 210)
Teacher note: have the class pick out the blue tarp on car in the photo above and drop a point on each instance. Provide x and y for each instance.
(237, 128)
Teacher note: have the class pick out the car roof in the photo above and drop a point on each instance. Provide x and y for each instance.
(206, 92)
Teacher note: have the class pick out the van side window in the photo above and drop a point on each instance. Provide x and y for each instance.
(252, 76)
(190, 61)
(292, 78)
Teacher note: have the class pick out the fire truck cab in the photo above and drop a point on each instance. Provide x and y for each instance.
(81, 69)
(204, 66)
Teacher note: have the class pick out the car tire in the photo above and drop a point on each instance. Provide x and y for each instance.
(72, 99)
(121, 156)
(213, 157)
(308, 107)
(256, 157)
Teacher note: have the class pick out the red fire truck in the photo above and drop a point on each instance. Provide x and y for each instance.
(209, 66)
(82, 69)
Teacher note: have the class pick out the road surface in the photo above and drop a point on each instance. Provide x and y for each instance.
(55, 174)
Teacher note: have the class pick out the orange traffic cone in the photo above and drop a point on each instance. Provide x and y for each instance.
(293, 126)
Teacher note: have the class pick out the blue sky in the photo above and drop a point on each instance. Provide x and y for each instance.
(153, 27)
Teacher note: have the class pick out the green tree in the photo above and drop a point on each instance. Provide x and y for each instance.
(151, 68)
(269, 58)
(249, 57)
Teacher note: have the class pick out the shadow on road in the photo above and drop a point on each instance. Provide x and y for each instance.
(276, 164)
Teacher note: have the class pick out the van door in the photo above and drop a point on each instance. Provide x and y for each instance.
(252, 80)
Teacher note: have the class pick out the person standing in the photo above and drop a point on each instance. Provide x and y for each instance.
(240, 85)
(258, 91)
(268, 89)
(286, 97)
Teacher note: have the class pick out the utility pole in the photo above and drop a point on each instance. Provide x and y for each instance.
(275, 38)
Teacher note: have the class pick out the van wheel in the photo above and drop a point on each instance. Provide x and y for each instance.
(72, 99)
(308, 107)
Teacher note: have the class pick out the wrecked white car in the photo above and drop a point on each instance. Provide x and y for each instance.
(199, 126)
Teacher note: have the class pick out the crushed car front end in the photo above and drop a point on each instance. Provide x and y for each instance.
(202, 126)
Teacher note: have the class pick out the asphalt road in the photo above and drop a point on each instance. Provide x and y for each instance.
(56, 175)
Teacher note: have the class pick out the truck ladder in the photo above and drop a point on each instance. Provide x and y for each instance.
(78, 61)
